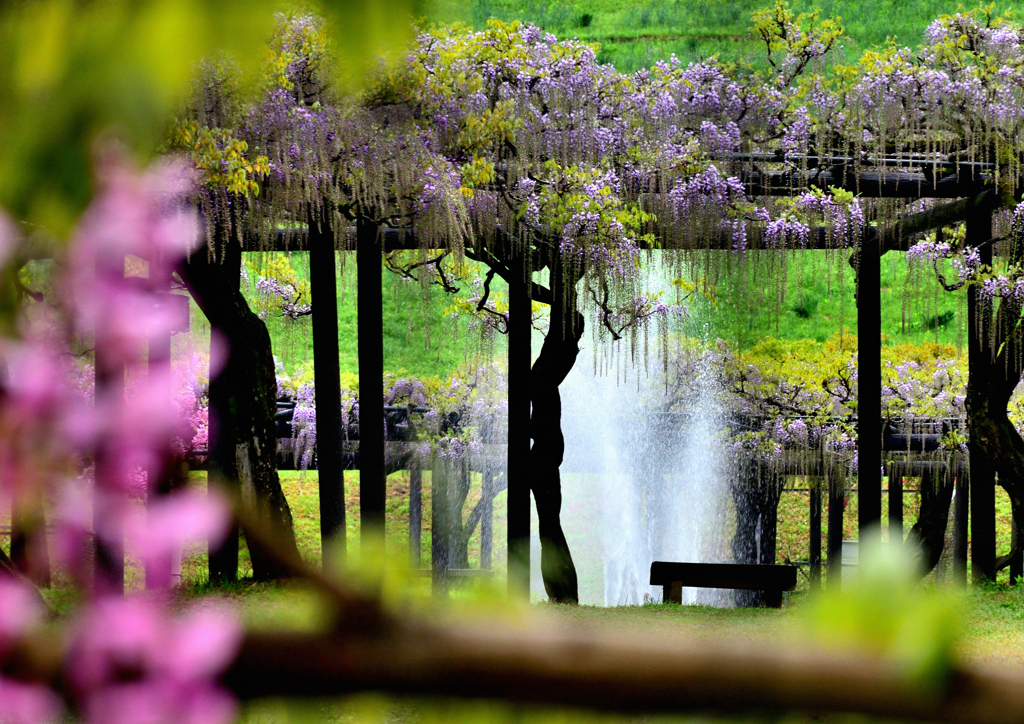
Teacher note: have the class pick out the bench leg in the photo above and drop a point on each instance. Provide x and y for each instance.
(773, 599)
(672, 592)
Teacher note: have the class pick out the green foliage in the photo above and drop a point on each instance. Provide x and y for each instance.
(887, 613)
(816, 298)
(74, 72)
(220, 158)
(634, 34)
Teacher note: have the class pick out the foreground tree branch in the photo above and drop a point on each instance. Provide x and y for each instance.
(612, 672)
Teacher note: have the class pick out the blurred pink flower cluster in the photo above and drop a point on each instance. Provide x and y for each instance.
(78, 448)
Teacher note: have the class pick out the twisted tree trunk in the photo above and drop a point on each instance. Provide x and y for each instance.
(994, 373)
(557, 357)
(243, 396)
(929, 532)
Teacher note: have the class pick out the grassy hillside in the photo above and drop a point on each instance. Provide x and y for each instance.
(810, 295)
(634, 35)
(419, 338)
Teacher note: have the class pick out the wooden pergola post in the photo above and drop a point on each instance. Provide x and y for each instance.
(108, 536)
(372, 482)
(814, 546)
(323, 282)
(869, 395)
(979, 356)
(519, 360)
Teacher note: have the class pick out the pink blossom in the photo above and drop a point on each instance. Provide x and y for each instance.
(171, 522)
(130, 662)
(20, 609)
(22, 703)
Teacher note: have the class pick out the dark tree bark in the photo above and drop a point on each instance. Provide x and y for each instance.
(929, 532)
(557, 357)
(995, 370)
(244, 449)
(755, 493)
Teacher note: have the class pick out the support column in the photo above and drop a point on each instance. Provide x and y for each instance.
(895, 504)
(1017, 560)
(372, 484)
(814, 553)
(519, 361)
(108, 537)
(160, 574)
(415, 515)
(961, 507)
(441, 538)
(323, 282)
(979, 356)
(487, 519)
(836, 505)
(869, 395)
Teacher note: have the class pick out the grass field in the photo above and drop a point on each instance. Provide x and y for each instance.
(581, 516)
(636, 34)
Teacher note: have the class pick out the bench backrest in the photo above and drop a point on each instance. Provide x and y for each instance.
(745, 576)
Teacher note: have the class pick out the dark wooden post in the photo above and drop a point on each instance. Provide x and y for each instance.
(814, 553)
(961, 508)
(30, 552)
(442, 547)
(983, 491)
(415, 515)
(836, 504)
(487, 518)
(869, 395)
(330, 466)
(519, 361)
(159, 478)
(895, 504)
(108, 537)
(1017, 561)
(372, 482)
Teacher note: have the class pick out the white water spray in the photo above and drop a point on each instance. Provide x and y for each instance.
(640, 485)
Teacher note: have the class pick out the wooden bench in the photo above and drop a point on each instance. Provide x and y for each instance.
(772, 580)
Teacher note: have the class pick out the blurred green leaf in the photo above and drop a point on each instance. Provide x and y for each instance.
(75, 72)
(886, 611)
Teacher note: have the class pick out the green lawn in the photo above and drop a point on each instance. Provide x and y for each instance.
(636, 34)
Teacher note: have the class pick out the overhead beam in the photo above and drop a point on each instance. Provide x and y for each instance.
(868, 184)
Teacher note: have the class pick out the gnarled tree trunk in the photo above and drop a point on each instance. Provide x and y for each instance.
(243, 396)
(557, 357)
(929, 532)
(993, 376)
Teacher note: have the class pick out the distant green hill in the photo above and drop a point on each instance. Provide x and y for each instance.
(813, 298)
(419, 339)
(635, 34)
